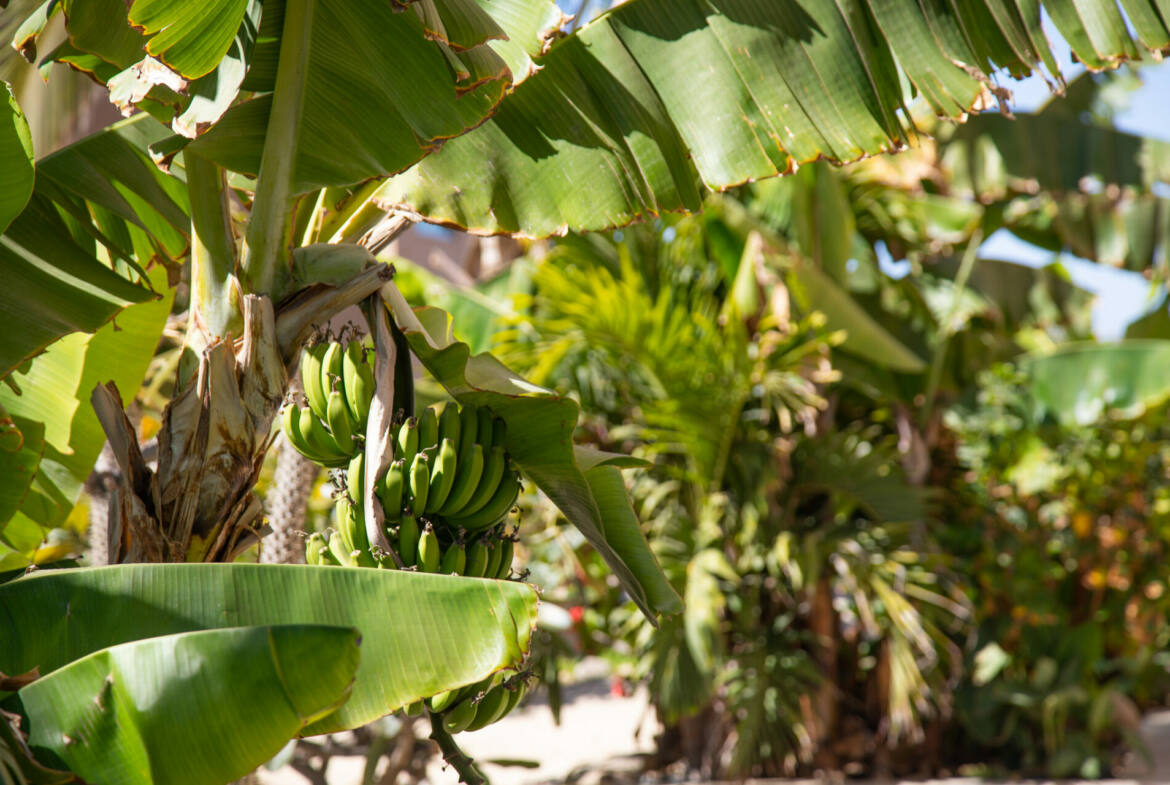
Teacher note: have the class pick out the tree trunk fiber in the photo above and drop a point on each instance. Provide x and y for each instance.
(291, 486)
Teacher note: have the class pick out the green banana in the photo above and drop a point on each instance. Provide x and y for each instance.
(516, 694)
(359, 382)
(459, 717)
(408, 440)
(450, 423)
(494, 465)
(454, 559)
(320, 440)
(507, 549)
(413, 709)
(428, 429)
(311, 361)
(340, 423)
(477, 559)
(339, 552)
(419, 481)
(442, 475)
(483, 427)
(495, 554)
(470, 469)
(490, 708)
(429, 550)
(408, 540)
(468, 428)
(331, 366)
(315, 545)
(390, 491)
(355, 480)
(499, 432)
(439, 703)
(496, 508)
(290, 424)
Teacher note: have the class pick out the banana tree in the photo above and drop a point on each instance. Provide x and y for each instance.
(294, 139)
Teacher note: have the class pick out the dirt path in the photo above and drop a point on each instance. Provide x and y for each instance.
(601, 729)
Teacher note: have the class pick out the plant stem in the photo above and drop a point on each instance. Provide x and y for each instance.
(268, 235)
(455, 757)
(215, 291)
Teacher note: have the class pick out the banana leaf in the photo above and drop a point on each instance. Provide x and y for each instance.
(195, 708)
(421, 634)
(16, 158)
(1081, 383)
(644, 108)
(55, 390)
(540, 439)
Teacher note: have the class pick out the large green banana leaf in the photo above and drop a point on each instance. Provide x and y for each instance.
(643, 108)
(16, 159)
(100, 211)
(381, 84)
(421, 634)
(195, 708)
(540, 439)
(55, 391)
(1079, 384)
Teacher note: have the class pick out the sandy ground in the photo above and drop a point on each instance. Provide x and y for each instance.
(599, 728)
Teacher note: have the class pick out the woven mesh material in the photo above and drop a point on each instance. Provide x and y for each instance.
(286, 504)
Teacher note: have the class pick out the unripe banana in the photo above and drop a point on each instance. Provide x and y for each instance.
(390, 491)
(420, 482)
(413, 709)
(449, 423)
(483, 427)
(339, 552)
(331, 367)
(494, 466)
(428, 429)
(467, 476)
(315, 545)
(311, 361)
(499, 431)
(459, 717)
(290, 419)
(429, 551)
(320, 440)
(516, 694)
(454, 559)
(496, 508)
(359, 382)
(507, 549)
(443, 475)
(408, 540)
(408, 440)
(439, 703)
(477, 559)
(491, 708)
(355, 480)
(341, 424)
(468, 428)
(495, 555)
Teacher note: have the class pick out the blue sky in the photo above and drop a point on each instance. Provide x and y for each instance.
(1121, 296)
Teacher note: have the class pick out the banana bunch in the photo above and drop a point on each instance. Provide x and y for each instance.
(451, 469)
(339, 385)
(474, 706)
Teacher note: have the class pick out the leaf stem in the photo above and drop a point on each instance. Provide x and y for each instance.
(270, 227)
(215, 290)
(455, 757)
